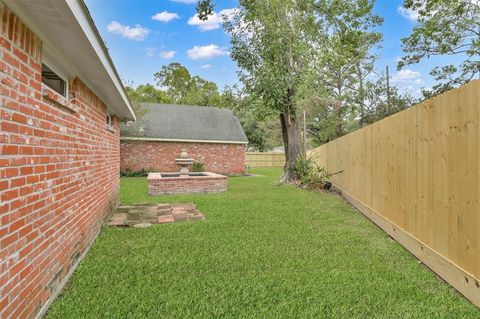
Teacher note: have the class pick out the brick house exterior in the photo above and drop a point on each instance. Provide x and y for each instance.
(211, 136)
(59, 161)
(159, 156)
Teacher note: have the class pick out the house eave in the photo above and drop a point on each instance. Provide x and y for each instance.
(69, 34)
(154, 139)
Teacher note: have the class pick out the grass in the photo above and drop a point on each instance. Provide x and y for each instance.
(265, 251)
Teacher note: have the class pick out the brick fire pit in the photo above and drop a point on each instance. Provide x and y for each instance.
(174, 183)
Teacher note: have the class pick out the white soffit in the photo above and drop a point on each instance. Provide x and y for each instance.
(71, 38)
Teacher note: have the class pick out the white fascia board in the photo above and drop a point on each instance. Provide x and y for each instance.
(87, 24)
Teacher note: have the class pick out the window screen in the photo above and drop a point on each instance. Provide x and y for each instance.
(53, 81)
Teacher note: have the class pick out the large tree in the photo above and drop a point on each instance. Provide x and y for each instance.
(382, 100)
(183, 88)
(263, 131)
(342, 71)
(277, 43)
(446, 28)
(147, 93)
(202, 92)
(273, 43)
(176, 79)
(379, 101)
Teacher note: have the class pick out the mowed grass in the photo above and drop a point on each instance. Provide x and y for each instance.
(265, 251)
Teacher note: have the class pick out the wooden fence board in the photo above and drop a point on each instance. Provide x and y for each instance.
(265, 159)
(418, 172)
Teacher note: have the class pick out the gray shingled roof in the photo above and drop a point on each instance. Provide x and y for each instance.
(186, 122)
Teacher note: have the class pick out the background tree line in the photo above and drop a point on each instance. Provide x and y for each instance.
(175, 85)
(325, 120)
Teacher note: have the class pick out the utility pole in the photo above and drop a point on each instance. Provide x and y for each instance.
(305, 132)
(388, 90)
(361, 95)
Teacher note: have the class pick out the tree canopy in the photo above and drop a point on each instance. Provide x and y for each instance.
(148, 93)
(288, 51)
(447, 28)
(183, 88)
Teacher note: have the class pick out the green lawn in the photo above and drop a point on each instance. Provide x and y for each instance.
(265, 251)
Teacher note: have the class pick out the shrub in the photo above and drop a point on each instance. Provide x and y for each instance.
(128, 173)
(197, 167)
(309, 174)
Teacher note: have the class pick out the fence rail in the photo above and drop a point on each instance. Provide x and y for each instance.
(416, 175)
(265, 159)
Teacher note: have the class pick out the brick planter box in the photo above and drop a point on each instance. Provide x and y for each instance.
(164, 183)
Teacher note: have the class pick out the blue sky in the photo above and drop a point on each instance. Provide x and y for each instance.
(143, 35)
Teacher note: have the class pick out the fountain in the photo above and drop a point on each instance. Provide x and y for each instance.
(185, 182)
(183, 161)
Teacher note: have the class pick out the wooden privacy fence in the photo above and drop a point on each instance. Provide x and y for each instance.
(265, 159)
(416, 175)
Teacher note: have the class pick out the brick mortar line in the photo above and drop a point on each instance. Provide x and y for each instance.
(80, 101)
(66, 278)
(73, 136)
(39, 192)
(93, 171)
(63, 228)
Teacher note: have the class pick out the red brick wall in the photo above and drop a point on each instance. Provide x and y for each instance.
(58, 174)
(212, 183)
(160, 156)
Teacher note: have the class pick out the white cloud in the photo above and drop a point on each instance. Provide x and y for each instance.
(150, 52)
(186, 1)
(205, 52)
(406, 75)
(136, 32)
(214, 21)
(409, 14)
(418, 81)
(206, 66)
(165, 16)
(167, 54)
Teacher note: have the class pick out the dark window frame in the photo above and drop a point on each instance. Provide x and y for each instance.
(109, 122)
(54, 81)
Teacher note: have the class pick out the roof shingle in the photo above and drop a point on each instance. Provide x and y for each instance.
(186, 122)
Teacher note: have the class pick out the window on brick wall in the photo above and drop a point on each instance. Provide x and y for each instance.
(109, 122)
(53, 80)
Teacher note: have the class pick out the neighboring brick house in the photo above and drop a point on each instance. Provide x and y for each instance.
(210, 135)
(61, 103)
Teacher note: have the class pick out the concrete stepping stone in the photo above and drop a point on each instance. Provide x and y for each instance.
(142, 225)
(144, 215)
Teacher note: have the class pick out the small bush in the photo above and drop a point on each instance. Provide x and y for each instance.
(309, 174)
(197, 167)
(128, 173)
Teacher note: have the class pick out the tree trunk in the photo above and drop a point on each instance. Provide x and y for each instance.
(283, 124)
(291, 140)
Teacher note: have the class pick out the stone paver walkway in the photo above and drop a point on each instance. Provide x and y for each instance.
(144, 215)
